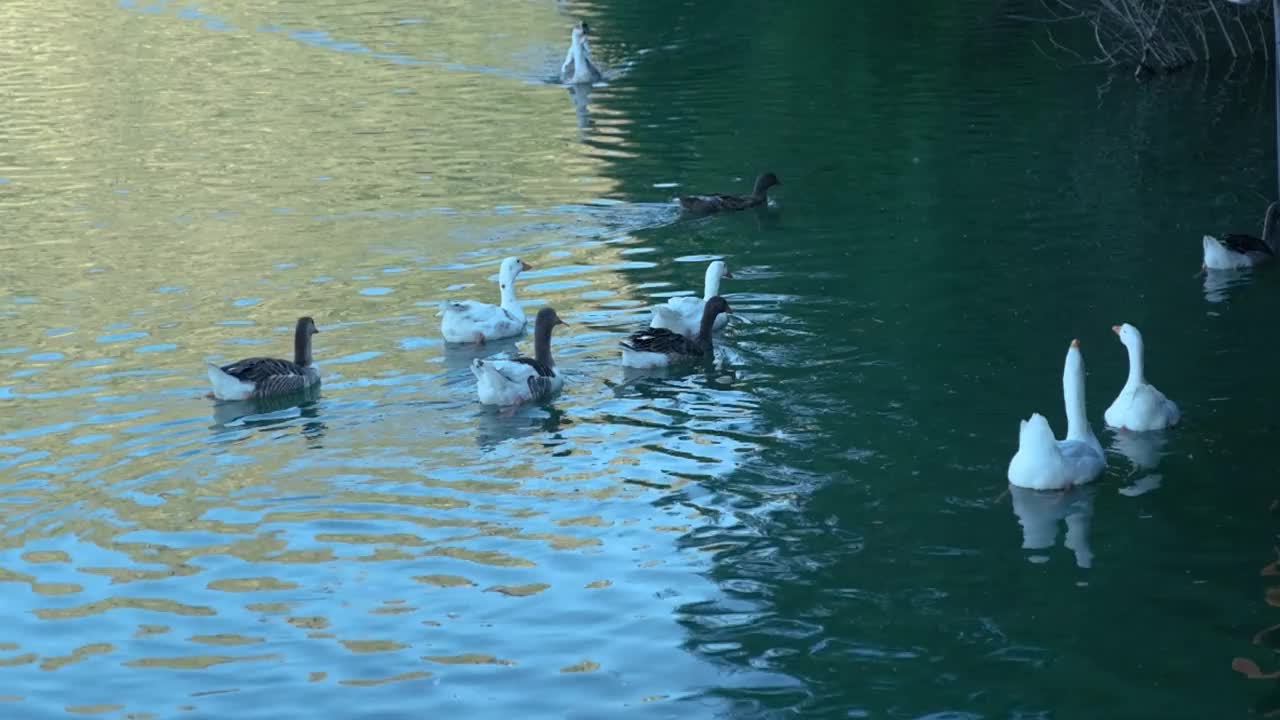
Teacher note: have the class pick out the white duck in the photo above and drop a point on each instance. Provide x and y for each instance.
(578, 68)
(1044, 463)
(522, 379)
(1236, 251)
(470, 321)
(1139, 406)
(684, 314)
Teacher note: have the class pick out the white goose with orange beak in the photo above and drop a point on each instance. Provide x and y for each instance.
(1046, 463)
(1139, 406)
(471, 321)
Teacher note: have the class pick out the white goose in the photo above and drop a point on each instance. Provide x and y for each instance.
(684, 314)
(578, 68)
(522, 379)
(470, 321)
(1139, 406)
(1044, 463)
(1236, 251)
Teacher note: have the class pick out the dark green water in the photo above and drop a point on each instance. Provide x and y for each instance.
(819, 527)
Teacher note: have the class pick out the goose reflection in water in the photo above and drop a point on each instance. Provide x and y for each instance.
(1143, 450)
(581, 96)
(495, 426)
(1039, 512)
(1219, 283)
(269, 411)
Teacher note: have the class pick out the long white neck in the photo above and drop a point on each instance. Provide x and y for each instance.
(507, 285)
(1073, 398)
(580, 55)
(711, 286)
(1136, 377)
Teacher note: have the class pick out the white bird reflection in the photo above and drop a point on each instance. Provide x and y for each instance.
(581, 96)
(1039, 512)
(1144, 450)
(1218, 283)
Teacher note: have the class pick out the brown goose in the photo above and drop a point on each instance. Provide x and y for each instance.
(261, 376)
(660, 347)
(717, 203)
(1237, 250)
(522, 379)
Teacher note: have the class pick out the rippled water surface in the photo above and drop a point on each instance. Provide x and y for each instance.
(817, 525)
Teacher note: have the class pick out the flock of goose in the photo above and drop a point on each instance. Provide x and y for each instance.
(681, 332)
(1045, 463)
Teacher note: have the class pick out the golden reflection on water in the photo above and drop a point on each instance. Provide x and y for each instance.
(184, 201)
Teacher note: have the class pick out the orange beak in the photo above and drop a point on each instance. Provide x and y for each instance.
(1115, 329)
(1075, 343)
(525, 266)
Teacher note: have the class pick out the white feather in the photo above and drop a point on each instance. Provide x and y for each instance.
(1220, 257)
(505, 382)
(468, 321)
(228, 387)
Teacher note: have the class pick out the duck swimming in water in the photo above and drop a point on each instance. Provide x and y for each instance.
(261, 377)
(578, 68)
(522, 379)
(715, 203)
(660, 347)
(1236, 250)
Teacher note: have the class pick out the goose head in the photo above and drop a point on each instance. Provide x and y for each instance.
(306, 327)
(510, 268)
(1128, 334)
(716, 272)
(766, 181)
(543, 324)
(715, 306)
(302, 333)
(579, 34)
(546, 319)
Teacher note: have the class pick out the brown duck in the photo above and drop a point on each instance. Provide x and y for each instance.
(717, 203)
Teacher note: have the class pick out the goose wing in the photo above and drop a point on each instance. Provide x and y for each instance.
(661, 340)
(1245, 244)
(261, 369)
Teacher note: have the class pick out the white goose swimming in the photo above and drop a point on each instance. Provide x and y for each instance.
(578, 68)
(684, 314)
(1139, 406)
(1045, 463)
(522, 379)
(470, 321)
(1236, 251)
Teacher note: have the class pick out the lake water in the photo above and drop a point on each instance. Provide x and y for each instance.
(818, 526)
